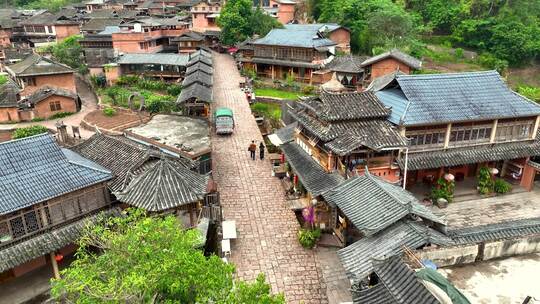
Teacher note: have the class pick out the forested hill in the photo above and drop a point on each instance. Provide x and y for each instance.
(504, 32)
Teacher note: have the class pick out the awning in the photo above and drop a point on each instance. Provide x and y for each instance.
(275, 140)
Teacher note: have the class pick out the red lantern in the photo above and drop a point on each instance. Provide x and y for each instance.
(295, 179)
(282, 158)
(58, 257)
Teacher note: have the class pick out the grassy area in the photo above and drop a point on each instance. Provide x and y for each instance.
(268, 110)
(270, 92)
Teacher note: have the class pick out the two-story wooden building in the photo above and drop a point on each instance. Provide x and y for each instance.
(47, 197)
(45, 28)
(296, 51)
(458, 123)
(204, 14)
(349, 132)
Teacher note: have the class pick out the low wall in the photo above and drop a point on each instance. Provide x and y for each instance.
(449, 256)
(466, 254)
(511, 247)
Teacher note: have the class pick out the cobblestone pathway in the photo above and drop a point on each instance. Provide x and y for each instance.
(266, 227)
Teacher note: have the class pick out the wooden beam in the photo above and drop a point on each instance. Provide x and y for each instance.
(56, 272)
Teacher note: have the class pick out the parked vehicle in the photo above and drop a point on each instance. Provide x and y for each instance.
(224, 121)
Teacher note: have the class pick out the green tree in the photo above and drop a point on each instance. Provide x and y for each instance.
(69, 52)
(28, 131)
(239, 21)
(143, 259)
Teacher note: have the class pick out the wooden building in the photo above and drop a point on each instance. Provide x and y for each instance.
(295, 51)
(46, 28)
(458, 123)
(49, 194)
(197, 94)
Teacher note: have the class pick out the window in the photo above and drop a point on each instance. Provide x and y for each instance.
(514, 130)
(31, 81)
(468, 134)
(431, 138)
(55, 105)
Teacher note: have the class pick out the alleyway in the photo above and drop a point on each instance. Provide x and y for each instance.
(250, 195)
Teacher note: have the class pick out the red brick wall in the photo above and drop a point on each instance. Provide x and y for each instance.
(387, 66)
(43, 108)
(199, 21)
(343, 38)
(8, 114)
(285, 13)
(65, 81)
(5, 36)
(66, 30)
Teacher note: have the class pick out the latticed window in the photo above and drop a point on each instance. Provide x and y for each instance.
(55, 105)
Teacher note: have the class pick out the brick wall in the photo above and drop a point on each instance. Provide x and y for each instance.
(285, 13)
(8, 114)
(65, 30)
(199, 21)
(43, 108)
(5, 38)
(387, 66)
(65, 81)
(343, 39)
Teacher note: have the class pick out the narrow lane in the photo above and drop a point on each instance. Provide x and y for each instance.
(250, 195)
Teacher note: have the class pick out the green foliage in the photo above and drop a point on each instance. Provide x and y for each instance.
(152, 85)
(238, 21)
(174, 89)
(109, 112)
(37, 119)
(3, 79)
(249, 72)
(501, 186)
(271, 92)
(443, 189)
(145, 259)
(268, 110)
(308, 238)
(458, 53)
(159, 104)
(491, 62)
(50, 5)
(308, 90)
(98, 81)
(485, 182)
(532, 93)
(129, 80)
(69, 52)
(60, 115)
(28, 131)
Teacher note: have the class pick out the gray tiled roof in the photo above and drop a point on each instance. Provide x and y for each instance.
(37, 65)
(99, 24)
(120, 155)
(286, 134)
(400, 283)
(164, 186)
(47, 242)
(165, 59)
(347, 121)
(195, 91)
(396, 54)
(470, 155)
(372, 204)
(305, 36)
(199, 67)
(8, 94)
(189, 36)
(311, 175)
(350, 64)
(444, 98)
(293, 63)
(356, 258)
(46, 18)
(197, 77)
(496, 232)
(199, 59)
(34, 169)
(382, 82)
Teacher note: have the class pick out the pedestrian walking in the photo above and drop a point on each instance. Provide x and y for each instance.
(252, 149)
(261, 150)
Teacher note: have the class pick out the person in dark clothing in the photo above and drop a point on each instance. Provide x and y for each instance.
(261, 150)
(252, 148)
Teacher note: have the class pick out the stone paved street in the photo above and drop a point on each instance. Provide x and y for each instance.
(337, 284)
(250, 195)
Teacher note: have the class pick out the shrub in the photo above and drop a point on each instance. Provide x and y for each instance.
(459, 53)
(128, 80)
(308, 90)
(250, 73)
(485, 183)
(501, 186)
(489, 61)
(532, 93)
(37, 119)
(308, 238)
(98, 81)
(174, 89)
(152, 85)
(109, 112)
(3, 79)
(443, 189)
(60, 115)
(28, 131)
